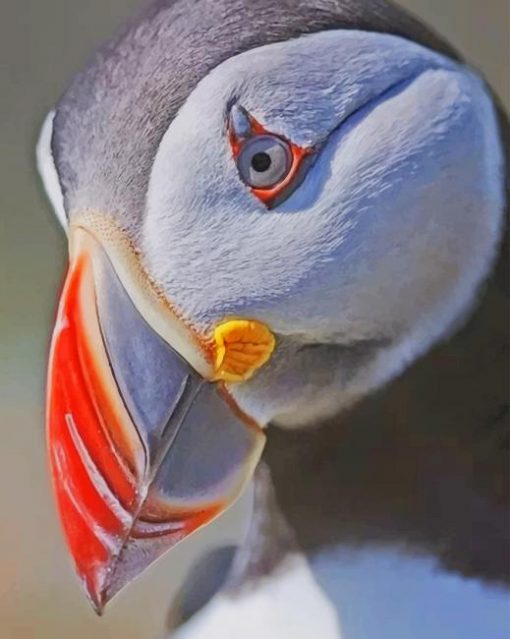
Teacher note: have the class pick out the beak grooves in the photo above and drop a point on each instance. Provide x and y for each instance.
(98, 460)
(129, 483)
(96, 454)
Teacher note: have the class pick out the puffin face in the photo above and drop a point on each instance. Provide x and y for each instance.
(370, 248)
(316, 214)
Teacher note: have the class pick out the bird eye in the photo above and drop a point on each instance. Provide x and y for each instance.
(270, 165)
(263, 161)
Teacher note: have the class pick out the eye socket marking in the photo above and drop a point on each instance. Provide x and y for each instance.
(270, 165)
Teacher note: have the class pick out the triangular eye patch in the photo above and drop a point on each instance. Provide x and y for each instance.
(269, 164)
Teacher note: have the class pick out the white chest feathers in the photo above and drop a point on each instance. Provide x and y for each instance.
(287, 605)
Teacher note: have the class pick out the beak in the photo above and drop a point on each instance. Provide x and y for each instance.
(143, 449)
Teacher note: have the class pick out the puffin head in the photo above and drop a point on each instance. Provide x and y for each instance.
(271, 212)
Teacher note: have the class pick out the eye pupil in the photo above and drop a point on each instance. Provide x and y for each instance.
(264, 161)
(261, 162)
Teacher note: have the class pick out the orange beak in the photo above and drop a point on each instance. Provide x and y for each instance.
(143, 449)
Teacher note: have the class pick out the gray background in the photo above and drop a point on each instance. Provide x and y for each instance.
(42, 43)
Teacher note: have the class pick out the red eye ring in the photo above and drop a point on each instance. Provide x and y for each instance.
(251, 129)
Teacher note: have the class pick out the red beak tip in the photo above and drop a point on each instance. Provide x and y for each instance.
(96, 598)
(98, 591)
(98, 607)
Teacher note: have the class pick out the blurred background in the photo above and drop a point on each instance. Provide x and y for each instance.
(42, 44)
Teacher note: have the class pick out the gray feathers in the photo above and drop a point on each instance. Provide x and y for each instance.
(110, 121)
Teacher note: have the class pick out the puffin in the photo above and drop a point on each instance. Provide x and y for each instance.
(288, 285)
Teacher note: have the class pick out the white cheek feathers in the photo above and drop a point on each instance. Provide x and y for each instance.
(387, 239)
(48, 172)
